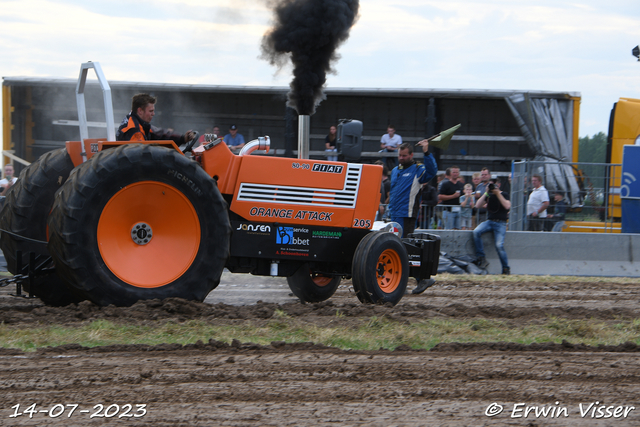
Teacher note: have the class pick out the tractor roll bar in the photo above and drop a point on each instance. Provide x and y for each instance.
(82, 110)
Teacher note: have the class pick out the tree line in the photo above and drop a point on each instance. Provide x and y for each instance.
(593, 150)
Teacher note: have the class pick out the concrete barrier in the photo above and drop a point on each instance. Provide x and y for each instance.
(544, 253)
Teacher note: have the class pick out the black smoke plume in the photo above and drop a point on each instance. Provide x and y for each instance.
(308, 31)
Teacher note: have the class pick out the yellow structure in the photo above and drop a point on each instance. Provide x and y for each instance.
(624, 129)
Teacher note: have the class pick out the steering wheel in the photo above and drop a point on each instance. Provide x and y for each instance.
(189, 145)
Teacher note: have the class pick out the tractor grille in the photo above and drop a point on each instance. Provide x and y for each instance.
(345, 198)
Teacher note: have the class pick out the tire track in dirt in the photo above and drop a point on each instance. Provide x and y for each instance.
(240, 384)
(284, 384)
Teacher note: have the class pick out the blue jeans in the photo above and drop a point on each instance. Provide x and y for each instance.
(451, 220)
(331, 158)
(391, 162)
(499, 229)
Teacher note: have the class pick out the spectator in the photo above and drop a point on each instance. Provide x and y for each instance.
(442, 177)
(449, 197)
(136, 126)
(214, 131)
(233, 139)
(467, 202)
(404, 195)
(330, 143)
(427, 206)
(481, 188)
(8, 180)
(475, 180)
(537, 204)
(389, 143)
(559, 211)
(498, 205)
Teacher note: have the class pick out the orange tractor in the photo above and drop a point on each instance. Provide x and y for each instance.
(132, 221)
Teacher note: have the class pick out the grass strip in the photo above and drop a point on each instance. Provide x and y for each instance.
(526, 278)
(369, 334)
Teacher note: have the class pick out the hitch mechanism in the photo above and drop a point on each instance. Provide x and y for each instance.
(28, 275)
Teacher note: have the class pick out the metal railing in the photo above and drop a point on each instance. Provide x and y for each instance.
(431, 218)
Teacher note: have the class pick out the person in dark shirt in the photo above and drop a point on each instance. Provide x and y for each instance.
(497, 204)
(427, 206)
(449, 197)
(385, 187)
(556, 220)
(481, 188)
(330, 144)
(136, 126)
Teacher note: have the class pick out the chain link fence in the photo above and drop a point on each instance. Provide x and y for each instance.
(591, 192)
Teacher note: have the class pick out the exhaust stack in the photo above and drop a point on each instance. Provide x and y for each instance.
(304, 124)
(262, 143)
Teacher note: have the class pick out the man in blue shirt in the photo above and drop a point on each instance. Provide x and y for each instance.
(406, 182)
(233, 139)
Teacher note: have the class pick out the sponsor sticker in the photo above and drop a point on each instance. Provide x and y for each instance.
(322, 167)
(321, 234)
(255, 228)
(290, 236)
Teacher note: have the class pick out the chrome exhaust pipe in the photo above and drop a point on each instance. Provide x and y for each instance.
(262, 143)
(304, 125)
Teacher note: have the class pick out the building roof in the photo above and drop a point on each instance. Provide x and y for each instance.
(380, 92)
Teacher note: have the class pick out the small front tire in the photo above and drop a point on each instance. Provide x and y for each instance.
(311, 287)
(381, 269)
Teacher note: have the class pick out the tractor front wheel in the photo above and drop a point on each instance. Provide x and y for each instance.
(380, 268)
(140, 222)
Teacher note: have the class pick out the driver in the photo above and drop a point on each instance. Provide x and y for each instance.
(136, 125)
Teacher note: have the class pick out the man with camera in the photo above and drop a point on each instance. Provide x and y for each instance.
(497, 204)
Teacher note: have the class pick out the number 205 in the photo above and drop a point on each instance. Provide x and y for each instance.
(362, 223)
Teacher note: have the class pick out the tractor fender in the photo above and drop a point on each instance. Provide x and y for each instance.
(93, 146)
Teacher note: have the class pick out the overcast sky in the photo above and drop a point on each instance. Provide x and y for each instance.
(555, 45)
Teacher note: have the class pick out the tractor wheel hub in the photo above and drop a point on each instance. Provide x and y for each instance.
(141, 233)
(380, 270)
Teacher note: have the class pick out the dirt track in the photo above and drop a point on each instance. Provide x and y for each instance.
(240, 384)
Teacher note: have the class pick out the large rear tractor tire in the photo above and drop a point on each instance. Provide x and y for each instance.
(140, 222)
(25, 213)
(380, 269)
(311, 287)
